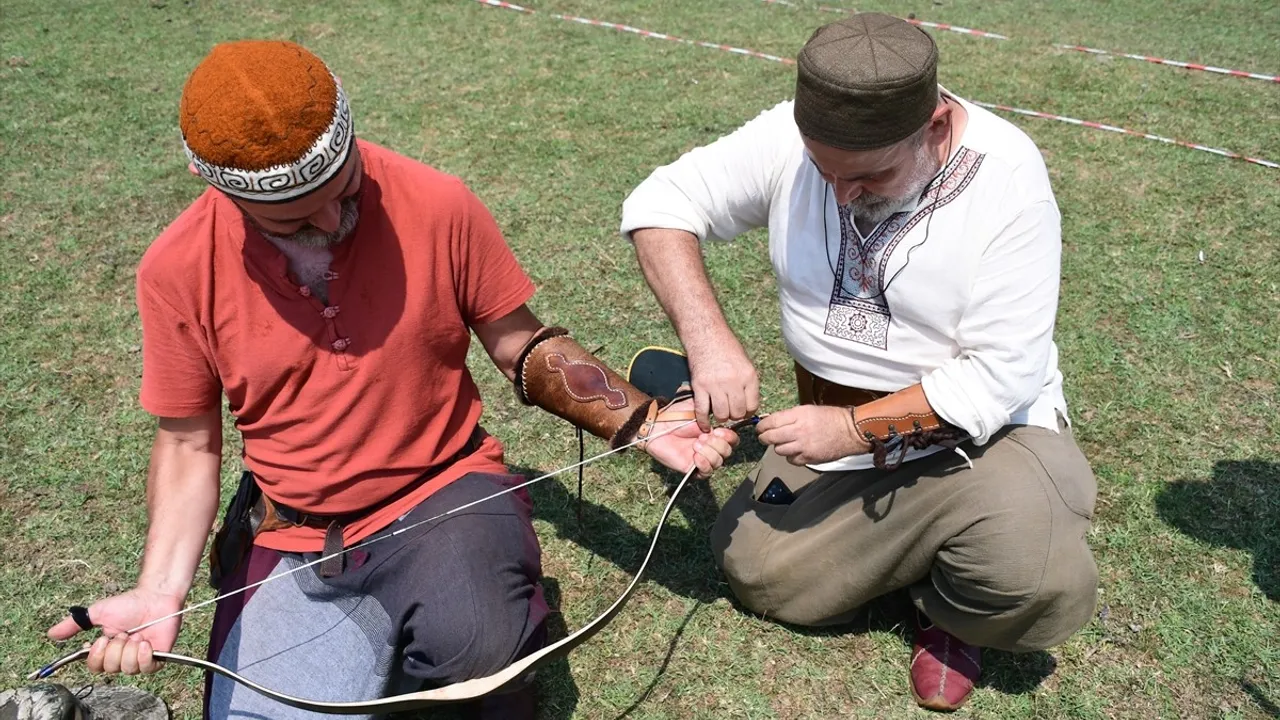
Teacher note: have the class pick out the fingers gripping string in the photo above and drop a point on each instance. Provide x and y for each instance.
(457, 692)
(48, 670)
(407, 528)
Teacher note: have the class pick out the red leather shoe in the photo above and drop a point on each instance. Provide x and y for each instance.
(944, 668)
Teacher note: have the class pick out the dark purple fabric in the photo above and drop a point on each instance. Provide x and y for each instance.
(462, 592)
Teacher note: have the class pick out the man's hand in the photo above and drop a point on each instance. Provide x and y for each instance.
(724, 382)
(811, 434)
(689, 445)
(116, 652)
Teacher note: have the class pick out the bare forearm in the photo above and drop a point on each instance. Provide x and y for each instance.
(724, 381)
(182, 501)
(672, 265)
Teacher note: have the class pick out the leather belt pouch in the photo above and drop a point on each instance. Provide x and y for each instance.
(234, 539)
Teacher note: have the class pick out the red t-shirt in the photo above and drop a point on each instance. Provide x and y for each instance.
(341, 409)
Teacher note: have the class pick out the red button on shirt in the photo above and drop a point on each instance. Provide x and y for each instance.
(211, 327)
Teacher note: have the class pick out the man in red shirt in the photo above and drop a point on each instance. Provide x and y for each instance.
(328, 288)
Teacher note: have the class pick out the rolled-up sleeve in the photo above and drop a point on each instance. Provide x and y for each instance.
(717, 191)
(1006, 334)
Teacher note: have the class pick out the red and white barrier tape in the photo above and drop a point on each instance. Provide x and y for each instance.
(1077, 48)
(1126, 131)
(638, 31)
(1174, 63)
(789, 61)
(921, 23)
(910, 18)
(956, 29)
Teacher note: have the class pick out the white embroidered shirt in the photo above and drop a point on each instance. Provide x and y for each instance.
(958, 293)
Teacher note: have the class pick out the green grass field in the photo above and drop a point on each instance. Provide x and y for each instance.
(1171, 362)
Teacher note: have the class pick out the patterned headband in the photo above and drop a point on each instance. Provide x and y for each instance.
(283, 183)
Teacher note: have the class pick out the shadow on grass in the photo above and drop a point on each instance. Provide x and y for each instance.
(1004, 672)
(683, 562)
(662, 669)
(685, 566)
(557, 693)
(1256, 694)
(1239, 507)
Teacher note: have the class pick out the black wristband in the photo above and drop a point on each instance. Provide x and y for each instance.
(80, 614)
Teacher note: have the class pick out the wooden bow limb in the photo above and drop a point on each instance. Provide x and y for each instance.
(503, 680)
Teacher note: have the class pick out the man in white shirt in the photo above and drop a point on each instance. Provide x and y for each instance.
(916, 243)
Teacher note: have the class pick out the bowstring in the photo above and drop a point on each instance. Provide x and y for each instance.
(369, 541)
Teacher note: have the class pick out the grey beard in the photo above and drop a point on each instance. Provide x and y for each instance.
(870, 209)
(314, 237)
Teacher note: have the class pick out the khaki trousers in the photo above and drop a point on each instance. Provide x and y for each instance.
(994, 554)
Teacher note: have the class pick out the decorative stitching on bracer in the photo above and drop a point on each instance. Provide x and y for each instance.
(588, 377)
(948, 438)
(920, 436)
(915, 418)
(907, 417)
(538, 338)
(558, 375)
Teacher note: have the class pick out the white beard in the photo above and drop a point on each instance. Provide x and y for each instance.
(870, 209)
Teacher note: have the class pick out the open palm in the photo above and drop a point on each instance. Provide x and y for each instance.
(680, 444)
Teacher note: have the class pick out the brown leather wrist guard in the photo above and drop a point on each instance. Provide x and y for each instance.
(558, 375)
(665, 414)
(904, 416)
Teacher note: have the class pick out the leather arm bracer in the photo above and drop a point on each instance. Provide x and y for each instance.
(904, 416)
(558, 375)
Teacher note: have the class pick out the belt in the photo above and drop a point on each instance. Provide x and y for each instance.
(268, 514)
(814, 390)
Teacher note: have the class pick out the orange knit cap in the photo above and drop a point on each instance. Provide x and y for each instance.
(265, 120)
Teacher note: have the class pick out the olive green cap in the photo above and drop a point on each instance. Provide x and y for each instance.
(866, 82)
